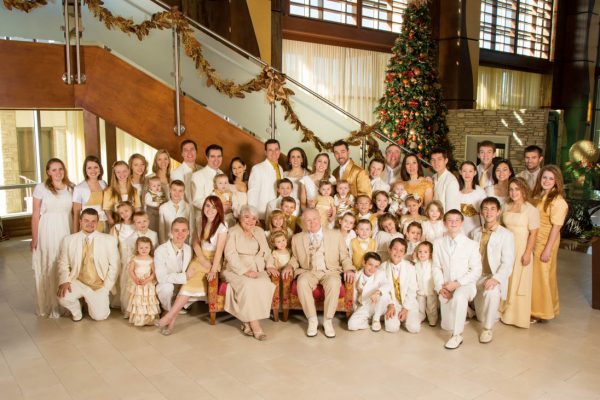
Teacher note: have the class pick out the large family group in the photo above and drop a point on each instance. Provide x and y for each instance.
(414, 247)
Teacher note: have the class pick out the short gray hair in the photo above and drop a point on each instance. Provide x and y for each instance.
(248, 209)
(309, 209)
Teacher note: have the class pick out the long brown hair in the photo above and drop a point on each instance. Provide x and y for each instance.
(137, 156)
(144, 239)
(113, 186)
(220, 217)
(155, 165)
(557, 190)
(523, 188)
(327, 172)
(48, 183)
(404, 173)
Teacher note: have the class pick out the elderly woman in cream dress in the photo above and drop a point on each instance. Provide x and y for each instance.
(248, 266)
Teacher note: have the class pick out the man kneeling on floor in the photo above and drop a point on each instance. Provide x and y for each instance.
(88, 265)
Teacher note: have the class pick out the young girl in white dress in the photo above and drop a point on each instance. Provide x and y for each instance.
(388, 231)
(433, 228)
(281, 253)
(347, 223)
(122, 230)
(471, 196)
(50, 223)
(143, 306)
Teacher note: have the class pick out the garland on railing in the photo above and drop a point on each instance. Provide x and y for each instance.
(270, 80)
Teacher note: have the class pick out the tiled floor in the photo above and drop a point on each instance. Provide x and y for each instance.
(56, 359)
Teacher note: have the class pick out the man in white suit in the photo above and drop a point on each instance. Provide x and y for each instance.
(171, 263)
(264, 177)
(319, 256)
(183, 173)
(202, 180)
(497, 248)
(456, 267)
(88, 265)
(446, 189)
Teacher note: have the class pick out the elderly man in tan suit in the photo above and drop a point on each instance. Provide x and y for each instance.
(319, 256)
(358, 178)
(88, 264)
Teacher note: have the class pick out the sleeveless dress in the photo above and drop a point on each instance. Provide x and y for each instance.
(544, 299)
(88, 199)
(54, 225)
(516, 309)
(197, 286)
(470, 204)
(143, 306)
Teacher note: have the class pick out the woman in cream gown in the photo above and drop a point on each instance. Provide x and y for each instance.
(248, 264)
(88, 194)
(523, 220)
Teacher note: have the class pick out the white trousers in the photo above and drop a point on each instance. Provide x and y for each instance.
(428, 308)
(454, 311)
(412, 322)
(487, 304)
(165, 293)
(96, 300)
(360, 317)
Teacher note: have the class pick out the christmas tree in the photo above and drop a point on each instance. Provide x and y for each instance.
(411, 112)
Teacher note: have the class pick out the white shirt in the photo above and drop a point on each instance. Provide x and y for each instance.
(343, 169)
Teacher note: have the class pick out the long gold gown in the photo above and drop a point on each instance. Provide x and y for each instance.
(516, 310)
(544, 301)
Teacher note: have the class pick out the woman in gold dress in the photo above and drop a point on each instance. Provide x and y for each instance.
(208, 245)
(414, 180)
(523, 220)
(553, 208)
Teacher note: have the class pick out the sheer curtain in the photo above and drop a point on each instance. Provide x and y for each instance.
(351, 78)
(508, 89)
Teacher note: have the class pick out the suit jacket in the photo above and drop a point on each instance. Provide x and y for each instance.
(166, 216)
(377, 281)
(337, 258)
(446, 191)
(500, 255)
(262, 186)
(106, 258)
(463, 265)
(408, 283)
(202, 185)
(359, 180)
(166, 266)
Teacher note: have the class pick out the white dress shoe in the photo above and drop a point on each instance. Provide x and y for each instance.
(328, 328)
(486, 336)
(313, 324)
(454, 342)
(376, 325)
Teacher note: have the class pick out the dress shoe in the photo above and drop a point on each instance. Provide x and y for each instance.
(485, 336)
(313, 324)
(328, 328)
(77, 318)
(376, 325)
(454, 342)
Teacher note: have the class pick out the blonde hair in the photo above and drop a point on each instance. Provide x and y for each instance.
(137, 156)
(276, 214)
(437, 204)
(155, 164)
(274, 236)
(113, 188)
(121, 205)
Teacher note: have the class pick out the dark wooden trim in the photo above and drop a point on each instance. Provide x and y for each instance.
(331, 33)
(490, 58)
(20, 226)
(91, 132)
(110, 132)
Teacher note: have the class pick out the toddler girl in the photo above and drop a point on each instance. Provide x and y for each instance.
(397, 197)
(143, 306)
(325, 204)
(281, 253)
(343, 199)
(428, 300)
(347, 222)
(433, 228)
(223, 192)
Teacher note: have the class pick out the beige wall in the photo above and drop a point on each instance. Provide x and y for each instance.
(260, 12)
(522, 127)
(10, 200)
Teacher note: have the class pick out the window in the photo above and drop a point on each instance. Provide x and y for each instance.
(384, 15)
(522, 27)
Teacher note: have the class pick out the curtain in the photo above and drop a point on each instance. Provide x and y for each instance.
(128, 145)
(508, 89)
(352, 79)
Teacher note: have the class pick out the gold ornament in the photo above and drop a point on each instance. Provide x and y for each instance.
(584, 150)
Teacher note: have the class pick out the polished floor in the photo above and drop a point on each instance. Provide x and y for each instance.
(59, 359)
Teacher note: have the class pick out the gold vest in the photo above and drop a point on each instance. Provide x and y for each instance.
(88, 274)
(358, 252)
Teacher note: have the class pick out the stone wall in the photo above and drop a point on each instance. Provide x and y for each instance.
(10, 200)
(522, 127)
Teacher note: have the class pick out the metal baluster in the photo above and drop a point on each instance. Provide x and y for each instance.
(179, 128)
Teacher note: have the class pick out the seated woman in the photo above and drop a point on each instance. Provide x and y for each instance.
(208, 244)
(248, 264)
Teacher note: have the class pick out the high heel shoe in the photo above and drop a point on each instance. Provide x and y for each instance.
(260, 335)
(246, 330)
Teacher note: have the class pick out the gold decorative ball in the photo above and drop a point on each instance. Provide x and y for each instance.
(584, 150)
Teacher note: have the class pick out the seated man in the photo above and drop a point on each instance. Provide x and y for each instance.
(171, 261)
(456, 267)
(88, 265)
(318, 257)
(497, 248)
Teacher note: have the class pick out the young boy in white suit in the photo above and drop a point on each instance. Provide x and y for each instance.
(370, 297)
(171, 261)
(426, 296)
(497, 248)
(402, 290)
(176, 207)
(456, 267)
